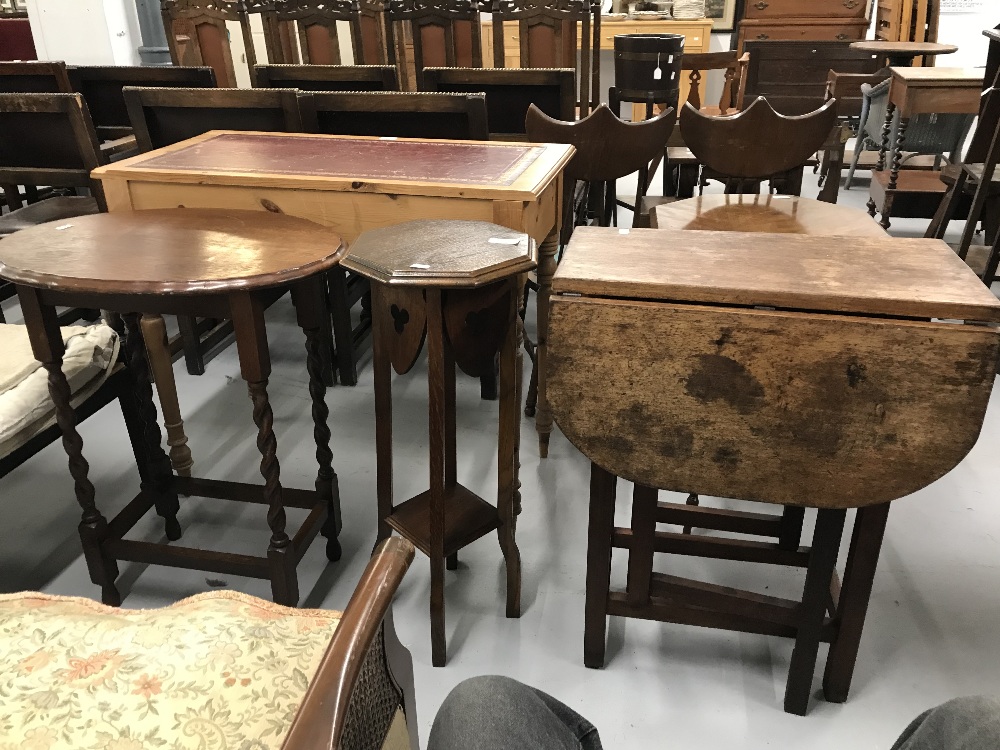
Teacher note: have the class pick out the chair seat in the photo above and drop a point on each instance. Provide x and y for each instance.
(220, 669)
(52, 209)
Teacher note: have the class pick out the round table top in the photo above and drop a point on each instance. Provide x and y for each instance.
(774, 214)
(170, 251)
(900, 49)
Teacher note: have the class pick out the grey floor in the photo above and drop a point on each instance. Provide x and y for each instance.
(933, 627)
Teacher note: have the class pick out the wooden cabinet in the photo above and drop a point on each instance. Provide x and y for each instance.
(907, 20)
(801, 20)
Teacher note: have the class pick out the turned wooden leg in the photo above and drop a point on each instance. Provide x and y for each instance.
(897, 157)
(507, 458)
(602, 523)
(441, 382)
(890, 112)
(159, 480)
(546, 269)
(816, 594)
(310, 309)
(47, 346)
(255, 366)
(381, 369)
(154, 332)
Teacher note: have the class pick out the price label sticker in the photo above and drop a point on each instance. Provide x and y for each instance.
(504, 240)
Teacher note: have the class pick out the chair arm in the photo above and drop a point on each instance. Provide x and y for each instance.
(322, 717)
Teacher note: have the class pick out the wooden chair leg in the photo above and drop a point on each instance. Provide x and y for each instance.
(790, 533)
(816, 593)
(855, 593)
(947, 208)
(154, 332)
(343, 337)
(489, 384)
(992, 262)
(602, 522)
(507, 456)
(190, 339)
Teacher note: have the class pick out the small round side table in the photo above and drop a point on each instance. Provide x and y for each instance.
(456, 284)
(901, 54)
(211, 263)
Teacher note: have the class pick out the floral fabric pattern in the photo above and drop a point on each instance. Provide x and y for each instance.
(217, 671)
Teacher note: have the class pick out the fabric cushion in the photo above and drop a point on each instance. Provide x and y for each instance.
(25, 406)
(51, 209)
(217, 670)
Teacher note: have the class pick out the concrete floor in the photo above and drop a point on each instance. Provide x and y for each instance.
(932, 628)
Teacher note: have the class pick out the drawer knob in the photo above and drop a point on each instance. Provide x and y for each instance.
(762, 5)
(763, 36)
(851, 4)
(843, 37)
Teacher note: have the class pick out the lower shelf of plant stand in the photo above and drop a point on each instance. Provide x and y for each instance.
(467, 517)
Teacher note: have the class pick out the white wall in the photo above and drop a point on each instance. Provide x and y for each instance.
(965, 31)
(85, 32)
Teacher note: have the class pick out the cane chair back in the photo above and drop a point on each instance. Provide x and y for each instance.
(547, 33)
(197, 35)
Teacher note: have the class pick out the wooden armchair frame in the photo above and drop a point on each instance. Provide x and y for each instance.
(548, 39)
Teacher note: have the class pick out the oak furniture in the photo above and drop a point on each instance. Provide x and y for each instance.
(799, 20)
(34, 78)
(336, 680)
(901, 54)
(509, 93)
(455, 284)
(353, 184)
(907, 21)
(101, 87)
(306, 31)
(457, 117)
(184, 265)
(197, 35)
(327, 77)
(728, 147)
(864, 368)
(770, 214)
(435, 33)
(914, 91)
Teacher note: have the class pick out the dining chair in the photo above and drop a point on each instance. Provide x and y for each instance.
(306, 31)
(547, 38)
(509, 93)
(197, 35)
(443, 33)
(101, 87)
(327, 77)
(33, 77)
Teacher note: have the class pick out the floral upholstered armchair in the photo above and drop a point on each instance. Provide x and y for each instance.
(217, 671)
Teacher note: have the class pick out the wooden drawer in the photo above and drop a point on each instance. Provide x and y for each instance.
(803, 30)
(806, 8)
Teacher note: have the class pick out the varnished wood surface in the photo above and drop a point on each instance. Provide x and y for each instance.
(409, 166)
(441, 253)
(183, 251)
(899, 49)
(939, 76)
(774, 214)
(870, 276)
(828, 411)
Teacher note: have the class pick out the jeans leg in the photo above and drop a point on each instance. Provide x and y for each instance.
(961, 724)
(498, 713)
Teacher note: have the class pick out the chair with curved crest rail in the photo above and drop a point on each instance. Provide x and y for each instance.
(305, 31)
(730, 148)
(446, 33)
(547, 33)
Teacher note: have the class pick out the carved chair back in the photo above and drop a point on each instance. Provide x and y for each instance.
(327, 77)
(102, 85)
(734, 66)
(510, 92)
(48, 140)
(162, 116)
(445, 33)
(398, 114)
(197, 35)
(34, 78)
(547, 33)
(757, 144)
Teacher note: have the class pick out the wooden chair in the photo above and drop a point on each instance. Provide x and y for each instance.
(197, 35)
(547, 32)
(34, 78)
(306, 31)
(792, 75)
(404, 115)
(352, 687)
(757, 145)
(327, 77)
(510, 92)
(101, 87)
(163, 116)
(48, 139)
(443, 32)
